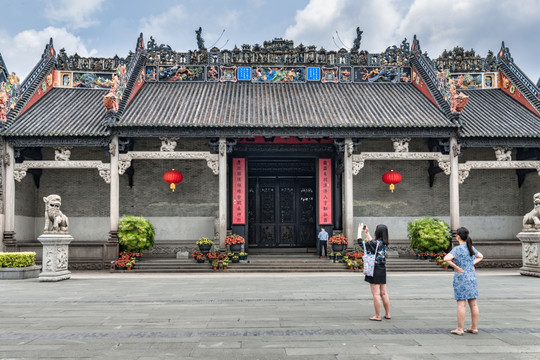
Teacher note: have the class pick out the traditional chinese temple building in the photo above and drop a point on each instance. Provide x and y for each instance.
(272, 142)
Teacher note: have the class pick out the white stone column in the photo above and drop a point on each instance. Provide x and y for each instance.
(454, 185)
(115, 188)
(348, 191)
(9, 199)
(222, 192)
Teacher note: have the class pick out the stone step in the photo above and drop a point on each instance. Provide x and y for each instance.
(276, 263)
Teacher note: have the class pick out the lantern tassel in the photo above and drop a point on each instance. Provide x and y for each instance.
(173, 186)
(392, 187)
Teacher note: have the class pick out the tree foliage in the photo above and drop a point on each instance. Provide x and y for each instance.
(135, 233)
(429, 234)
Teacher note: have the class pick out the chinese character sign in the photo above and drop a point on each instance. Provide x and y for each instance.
(239, 191)
(325, 191)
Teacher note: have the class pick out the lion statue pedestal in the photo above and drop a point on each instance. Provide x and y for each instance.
(55, 241)
(530, 240)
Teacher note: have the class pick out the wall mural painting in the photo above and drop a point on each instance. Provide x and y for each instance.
(489, 81)
(212, 73)
(378, 74)
(92, 80)
(467, 81)
(329, 75)
(66, 79)
(181, 73)
(150, 74)
(228, 74)
(406, 75)
(267, 74)
(9, 94)
(345, 73)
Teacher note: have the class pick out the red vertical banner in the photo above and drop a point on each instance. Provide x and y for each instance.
(239, 191)
(325, 191)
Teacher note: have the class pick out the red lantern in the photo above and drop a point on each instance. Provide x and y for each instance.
(392, 177)
(173, 177)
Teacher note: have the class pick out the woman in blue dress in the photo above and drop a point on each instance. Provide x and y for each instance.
(463, 258)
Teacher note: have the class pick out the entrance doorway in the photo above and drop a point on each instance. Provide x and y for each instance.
(281, 208)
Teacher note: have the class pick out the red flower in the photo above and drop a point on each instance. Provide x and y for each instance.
(234, 240)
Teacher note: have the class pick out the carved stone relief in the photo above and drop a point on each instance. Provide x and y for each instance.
(530, 254)
(401, 144)
(168, 144)
(503, 153)
(62, 153)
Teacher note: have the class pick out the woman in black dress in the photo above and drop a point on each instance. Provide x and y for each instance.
(377, 282)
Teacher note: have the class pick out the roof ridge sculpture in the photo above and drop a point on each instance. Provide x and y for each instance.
(123, 84)
(424, 67)
(32, 81)
(506, 65)
(4, 74)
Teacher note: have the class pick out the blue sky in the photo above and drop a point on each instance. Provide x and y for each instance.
(104, 28)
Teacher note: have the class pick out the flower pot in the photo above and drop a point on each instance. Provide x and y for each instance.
(236, 247)
(235, 260)
(338, 247)
(200, 260)
(205, 248)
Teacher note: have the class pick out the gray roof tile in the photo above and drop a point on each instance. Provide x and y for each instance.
(281, 106)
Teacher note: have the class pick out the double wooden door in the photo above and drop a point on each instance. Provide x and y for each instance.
(281, 212)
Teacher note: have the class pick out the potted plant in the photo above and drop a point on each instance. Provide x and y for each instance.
(215, 264)
(225, 263)
(235, 259)
(429, 235)
(135, 233)
(204, 244)
(198, 256)
(338, 242)
(235, 242)
(243, 255)
(126, 260)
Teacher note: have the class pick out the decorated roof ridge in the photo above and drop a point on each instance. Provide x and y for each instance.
(127, 76)
(425, 70)
(506, 65)
(4, 74)
(32, 81)
(459, 60)
(277, 51)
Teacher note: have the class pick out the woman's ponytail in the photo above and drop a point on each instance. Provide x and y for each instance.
(464, 235)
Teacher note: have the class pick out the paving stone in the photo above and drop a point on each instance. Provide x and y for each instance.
(97, 315)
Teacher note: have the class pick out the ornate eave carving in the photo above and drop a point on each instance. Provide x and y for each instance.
(359, 159)
(20, 169)
(464, 169)
(212, 160)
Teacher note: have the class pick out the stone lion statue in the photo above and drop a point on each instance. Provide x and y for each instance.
(531, 221)
(55, 221)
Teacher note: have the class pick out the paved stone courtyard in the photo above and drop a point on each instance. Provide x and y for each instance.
(98, 315)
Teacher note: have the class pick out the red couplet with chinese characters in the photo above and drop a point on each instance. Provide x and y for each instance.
(325, 191)
(239, 191)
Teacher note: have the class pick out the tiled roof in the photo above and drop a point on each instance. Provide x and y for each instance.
(63, 112)
(492, 113)
(315, 105)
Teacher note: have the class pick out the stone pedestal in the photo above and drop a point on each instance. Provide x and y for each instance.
(55, 257)
(530, 246)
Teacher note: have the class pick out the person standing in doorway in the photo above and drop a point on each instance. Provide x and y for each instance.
(463, 258)
(323, 241)
(377, 282)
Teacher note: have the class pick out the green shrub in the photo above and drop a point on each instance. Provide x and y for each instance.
(135, 233)
(17, 259)
(429, 234)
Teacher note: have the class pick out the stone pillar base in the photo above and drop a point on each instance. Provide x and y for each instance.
(55, 257)
(530, 246)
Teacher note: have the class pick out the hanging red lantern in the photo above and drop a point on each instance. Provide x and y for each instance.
(391, 177)
(173, 177)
